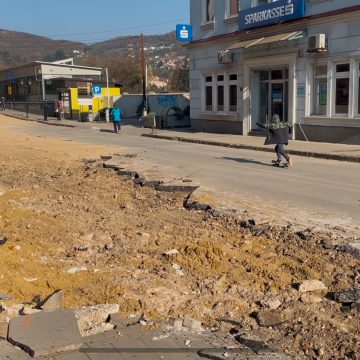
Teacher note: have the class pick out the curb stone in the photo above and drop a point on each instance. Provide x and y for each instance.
(346, 158)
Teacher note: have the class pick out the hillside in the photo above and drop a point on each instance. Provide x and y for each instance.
(16, 48)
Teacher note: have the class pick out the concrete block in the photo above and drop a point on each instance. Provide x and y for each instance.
(192, 324)
(45, 333)
(177, 324)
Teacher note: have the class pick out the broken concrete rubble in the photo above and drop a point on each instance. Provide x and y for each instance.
(269, 318)
(4, 326)
(52, 302)
(94, 319)
(192, 324)
(348, 296)
(311, 285)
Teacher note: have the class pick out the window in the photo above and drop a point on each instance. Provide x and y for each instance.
(220, 93)
(232, 8)
(320, 90)
(209, 11)
(233, 85)
(246, 4)
(342, 83)
(208, 93)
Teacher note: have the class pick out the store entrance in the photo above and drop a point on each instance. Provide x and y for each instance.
(273, 97)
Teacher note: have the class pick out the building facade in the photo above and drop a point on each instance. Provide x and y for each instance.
(24, 87)
(300, 59)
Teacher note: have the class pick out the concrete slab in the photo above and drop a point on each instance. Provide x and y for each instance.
(43, 334)
(8, 352)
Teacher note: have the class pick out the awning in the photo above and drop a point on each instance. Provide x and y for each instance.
(266, 40)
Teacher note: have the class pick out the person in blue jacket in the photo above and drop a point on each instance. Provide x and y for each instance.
(117, 115)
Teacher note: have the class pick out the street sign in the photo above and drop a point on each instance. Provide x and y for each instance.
(183, 32)
(97, 90)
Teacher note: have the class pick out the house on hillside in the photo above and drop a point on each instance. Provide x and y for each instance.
(300, 59)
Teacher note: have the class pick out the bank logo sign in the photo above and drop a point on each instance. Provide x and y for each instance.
(183, 32)
(273, 13)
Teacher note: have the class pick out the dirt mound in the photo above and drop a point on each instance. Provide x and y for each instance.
(75, 226)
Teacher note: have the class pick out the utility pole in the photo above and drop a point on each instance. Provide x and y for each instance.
(143, 71)
(107, 114)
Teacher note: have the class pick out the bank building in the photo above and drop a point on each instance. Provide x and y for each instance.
(299, 59)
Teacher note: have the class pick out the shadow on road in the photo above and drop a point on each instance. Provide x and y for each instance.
(107, 130)
(246, 161)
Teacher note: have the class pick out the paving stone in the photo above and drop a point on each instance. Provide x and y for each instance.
(101, 339)
(168, 349)
(133, 348)
(107, 352)
(44, 334)
(78, 355)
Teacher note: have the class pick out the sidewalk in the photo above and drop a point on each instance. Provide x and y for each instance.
(341, 152)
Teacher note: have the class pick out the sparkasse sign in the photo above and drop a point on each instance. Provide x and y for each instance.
(183, 32)
(273, 13)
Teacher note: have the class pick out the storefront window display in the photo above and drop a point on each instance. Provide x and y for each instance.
(320, 87)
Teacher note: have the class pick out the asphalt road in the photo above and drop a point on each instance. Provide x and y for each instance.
(314, 191)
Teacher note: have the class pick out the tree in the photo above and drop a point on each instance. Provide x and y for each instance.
(180, 79)
(125, 70)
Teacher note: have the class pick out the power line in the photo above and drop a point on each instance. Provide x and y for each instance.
(122, 29)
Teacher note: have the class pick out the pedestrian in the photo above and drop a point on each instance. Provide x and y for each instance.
(117, 115)
(3, 104)
(45, 107)
(57, 106)
(278, 134)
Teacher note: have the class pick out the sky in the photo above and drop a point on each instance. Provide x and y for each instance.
(90, 21)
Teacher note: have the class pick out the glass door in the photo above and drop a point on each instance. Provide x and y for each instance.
(277, 100)
(273, 97)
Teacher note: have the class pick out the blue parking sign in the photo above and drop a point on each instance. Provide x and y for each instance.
(97, 90)
(183, 32)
